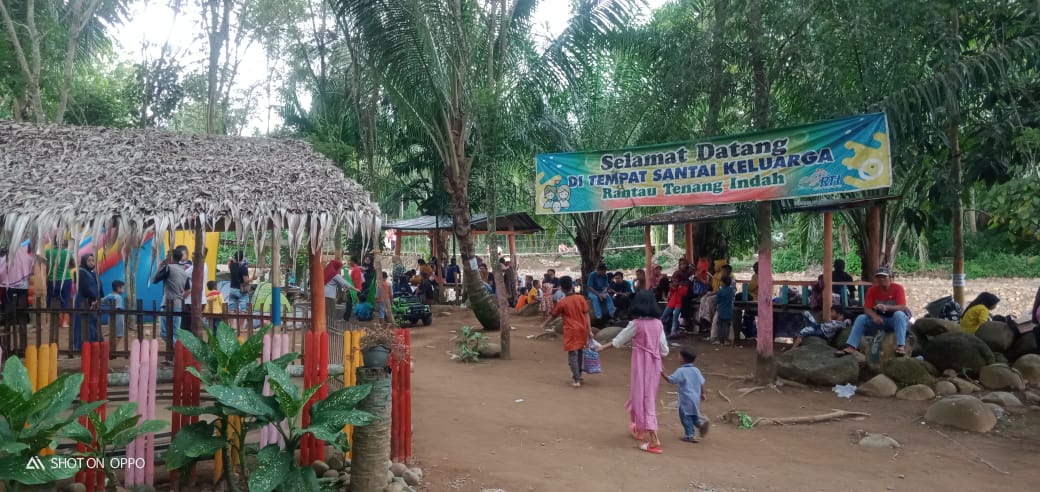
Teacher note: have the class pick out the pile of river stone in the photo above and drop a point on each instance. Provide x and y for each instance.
(399, 477)
(977, 379)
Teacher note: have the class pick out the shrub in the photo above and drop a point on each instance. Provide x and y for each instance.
(468, 344)
(626, 259)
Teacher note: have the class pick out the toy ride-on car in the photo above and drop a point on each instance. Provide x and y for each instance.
(410, 308)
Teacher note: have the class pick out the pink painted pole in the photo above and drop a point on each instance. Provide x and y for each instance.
(153, 373)
(129, 475)
(765, 370)
(265, 431)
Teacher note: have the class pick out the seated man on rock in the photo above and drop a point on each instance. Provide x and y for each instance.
(884, 308)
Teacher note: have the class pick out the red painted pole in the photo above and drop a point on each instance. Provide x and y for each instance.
(308, 355)
(395, 404)
(323, 377)
(84, 396)
(102, 396)
(406, 384)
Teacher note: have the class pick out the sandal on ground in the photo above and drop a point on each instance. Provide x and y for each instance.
(651, 449)
(690, 439)
(901, 350)
(704, 427)
(848, 350)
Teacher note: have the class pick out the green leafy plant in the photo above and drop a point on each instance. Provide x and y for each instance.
(116, 431)
(31, 421)
(232, 374)
(468, 344)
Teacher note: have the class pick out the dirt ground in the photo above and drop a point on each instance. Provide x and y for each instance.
(518, 425)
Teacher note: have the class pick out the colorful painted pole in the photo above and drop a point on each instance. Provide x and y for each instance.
(276, 275)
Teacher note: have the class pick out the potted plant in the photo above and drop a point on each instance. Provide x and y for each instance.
(376, 345)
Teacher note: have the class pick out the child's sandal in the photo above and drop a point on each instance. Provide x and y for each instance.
(651, 449)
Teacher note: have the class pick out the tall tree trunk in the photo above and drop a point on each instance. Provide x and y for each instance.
(955, 176)
(457, 184)
(922, 251)
(765, 368)
(219, 24)
(79, 16)
(718, 93)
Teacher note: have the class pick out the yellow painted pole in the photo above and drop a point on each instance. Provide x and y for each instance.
(30, 365)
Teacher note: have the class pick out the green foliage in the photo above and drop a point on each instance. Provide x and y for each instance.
(626, 259)
(31, 421)
(117, 431)
(468, 344)
(232, 374)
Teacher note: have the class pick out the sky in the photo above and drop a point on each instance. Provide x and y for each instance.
(152, 23)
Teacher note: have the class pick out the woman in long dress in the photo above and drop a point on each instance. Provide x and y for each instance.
(648, 347)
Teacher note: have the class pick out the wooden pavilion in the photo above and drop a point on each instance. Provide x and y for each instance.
(435, 227)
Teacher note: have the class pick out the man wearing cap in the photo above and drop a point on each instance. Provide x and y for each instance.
(884, 307)
(598, 285)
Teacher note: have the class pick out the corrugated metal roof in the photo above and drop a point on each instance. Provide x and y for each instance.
(715, 213)
(518, 222)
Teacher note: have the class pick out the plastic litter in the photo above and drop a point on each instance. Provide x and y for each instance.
(845, 390)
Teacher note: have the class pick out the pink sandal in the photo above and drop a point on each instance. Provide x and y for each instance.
(651, 449)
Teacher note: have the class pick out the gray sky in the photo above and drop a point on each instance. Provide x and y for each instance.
(153, 23)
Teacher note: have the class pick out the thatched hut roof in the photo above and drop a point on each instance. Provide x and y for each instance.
(74, 179)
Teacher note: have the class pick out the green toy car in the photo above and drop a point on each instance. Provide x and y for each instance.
(411, 309)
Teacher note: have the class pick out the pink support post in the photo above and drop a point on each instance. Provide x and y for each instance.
(153, 374)
(129, 475)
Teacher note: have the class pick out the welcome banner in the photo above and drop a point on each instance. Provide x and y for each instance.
(836, 156)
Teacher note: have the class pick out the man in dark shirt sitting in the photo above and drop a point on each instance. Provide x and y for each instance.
(622, 292)
(840, 275)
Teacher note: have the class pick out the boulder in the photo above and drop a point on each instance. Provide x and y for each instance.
(998, 411)
(418, 472)
(335, 461)
(398, 469)
(958, 351)
(1023, 344)
(1032, 398)
(490, 350)
(1029, 366)
(930, 367)
(1000, 376)
(963, 412)
(814, 340)
(997, 335)
(529, 310)
(965, 387)
(330, 474)
(878, 441)
(888, 349)
(320, 467)
(1002, 398)
(917, 392)
(842, 338)
(945, 388)
(607, 334)
(999, 358)
(411, 478)
(816, 364)
(880, 386)
(906, 371)
(933, 327)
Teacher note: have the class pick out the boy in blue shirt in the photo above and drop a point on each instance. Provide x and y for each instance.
(114, 302)
(690, 382)
(724, 308)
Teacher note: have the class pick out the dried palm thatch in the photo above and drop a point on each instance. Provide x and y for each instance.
(66, 182)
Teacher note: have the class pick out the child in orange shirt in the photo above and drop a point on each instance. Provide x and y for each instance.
(214, 303)
(577, 328)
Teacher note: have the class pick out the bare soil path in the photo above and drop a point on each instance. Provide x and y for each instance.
(518, 425)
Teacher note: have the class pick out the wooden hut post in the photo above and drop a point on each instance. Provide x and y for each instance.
(317, 287)
(397, 242)
(828, 261)
(765, 369)
(276, 275)
(198, 276)
(649, 251)
(870, 263)
(512, 252)
(689, 245)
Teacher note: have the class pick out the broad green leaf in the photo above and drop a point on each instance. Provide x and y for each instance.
(342, 399)
(54, 398)
(227, 344)
(249, 351)
(244, 400)
(125, 412)
(285, 360)
(195, 372)
(192, 442)
(73, 430)
(335, 418)
(13, 406)
(121, 439)
(14, 468)
(12, 447)
(197, 348)
(322, 433)
(196, 411)
(248, 373)
(85, 408)
(16, 377)
(285, 392)
(271, 470)
(302, 478)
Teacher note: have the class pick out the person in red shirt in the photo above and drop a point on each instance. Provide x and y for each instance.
(577, 327)
(884, 307)
(677, 290)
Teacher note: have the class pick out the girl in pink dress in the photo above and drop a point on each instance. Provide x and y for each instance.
(649, 345)
(545, 305)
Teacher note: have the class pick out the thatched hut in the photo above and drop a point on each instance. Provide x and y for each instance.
(64, 183)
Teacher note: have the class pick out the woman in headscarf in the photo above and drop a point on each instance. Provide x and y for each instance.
(88, 295)
(333, 276)
(368, 273)
(978, 312)
(649, 346)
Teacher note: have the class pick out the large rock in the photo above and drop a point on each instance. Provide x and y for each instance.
(842, 338)
(958, 351)
(607, 334)
(945, 388)
(963, 412)
(997, 335)
(490, 350)
(1023, 344)
(1029, 366)
(529, 310)
(933, 327)
(998, 411)
(888, 349)
(965, 387)
(999, 377)
(917, 392)
(816, 364)
(1002, 398)
(880, 386)
(906, 371)
(878, 441)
